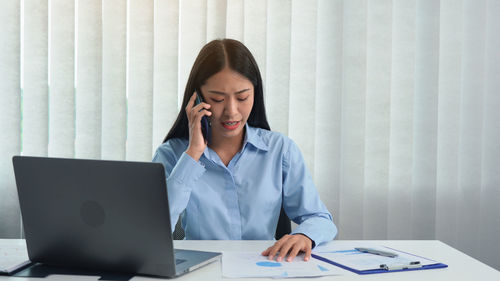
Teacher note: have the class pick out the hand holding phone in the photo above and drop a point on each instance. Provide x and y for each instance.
(198, 114)
(205, 123)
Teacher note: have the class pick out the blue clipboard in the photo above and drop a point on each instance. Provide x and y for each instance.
(381, 270)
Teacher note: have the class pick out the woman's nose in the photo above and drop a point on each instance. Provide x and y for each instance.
(231, 106)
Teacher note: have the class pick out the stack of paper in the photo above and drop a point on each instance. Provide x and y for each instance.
(346, 256)
(252, 264)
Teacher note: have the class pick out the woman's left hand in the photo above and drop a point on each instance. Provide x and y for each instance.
(291, 245)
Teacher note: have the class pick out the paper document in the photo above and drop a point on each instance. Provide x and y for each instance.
(348, 256)
(13, 257)
(253, 264)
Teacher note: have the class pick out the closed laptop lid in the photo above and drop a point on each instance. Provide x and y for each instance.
(95, 214)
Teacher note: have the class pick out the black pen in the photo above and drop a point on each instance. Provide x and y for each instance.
(377, 252)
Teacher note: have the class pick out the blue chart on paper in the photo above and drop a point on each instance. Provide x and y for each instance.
(322, 268)
(345, 252)
(268, 264)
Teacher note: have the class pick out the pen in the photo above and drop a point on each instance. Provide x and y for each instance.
(377, 252)
(413, 264)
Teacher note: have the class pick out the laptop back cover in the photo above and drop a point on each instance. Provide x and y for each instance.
(94, 214)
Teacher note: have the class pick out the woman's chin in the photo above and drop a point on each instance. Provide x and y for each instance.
(227, 133)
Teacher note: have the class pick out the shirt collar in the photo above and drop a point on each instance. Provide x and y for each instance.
(253, 137)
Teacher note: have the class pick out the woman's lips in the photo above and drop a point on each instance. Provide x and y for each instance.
(231, 125)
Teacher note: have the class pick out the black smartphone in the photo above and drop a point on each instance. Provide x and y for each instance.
(205, 123)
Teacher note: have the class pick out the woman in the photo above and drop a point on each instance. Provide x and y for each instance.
(232, 186)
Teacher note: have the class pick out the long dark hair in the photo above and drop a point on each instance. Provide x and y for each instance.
(212, 58)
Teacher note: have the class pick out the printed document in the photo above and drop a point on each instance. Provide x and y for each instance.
(253, 264)
(347, 255)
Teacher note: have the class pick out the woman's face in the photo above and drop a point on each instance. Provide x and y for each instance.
(231, 96)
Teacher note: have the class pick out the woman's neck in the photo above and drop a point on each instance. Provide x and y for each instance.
(227, 148)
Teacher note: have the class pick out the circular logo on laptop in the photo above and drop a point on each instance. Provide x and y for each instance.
(92, 213)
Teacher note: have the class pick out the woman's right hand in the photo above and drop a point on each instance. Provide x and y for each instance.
(197, 143)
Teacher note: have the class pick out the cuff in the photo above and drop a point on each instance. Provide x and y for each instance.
(318, 229)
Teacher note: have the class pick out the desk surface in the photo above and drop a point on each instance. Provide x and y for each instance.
(460, 266)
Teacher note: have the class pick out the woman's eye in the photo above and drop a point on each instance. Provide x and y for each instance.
(243, 99)
(216, 100)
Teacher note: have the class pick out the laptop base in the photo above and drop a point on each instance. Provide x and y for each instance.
(38, 270)
(189, 260)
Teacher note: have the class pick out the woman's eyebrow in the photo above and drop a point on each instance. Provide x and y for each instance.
(242, 91)
(217, 92)
(223, 93)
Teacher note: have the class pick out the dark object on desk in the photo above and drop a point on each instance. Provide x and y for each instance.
(284, 227)
(100, 215)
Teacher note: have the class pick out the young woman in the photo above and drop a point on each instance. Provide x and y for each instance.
(232, 186)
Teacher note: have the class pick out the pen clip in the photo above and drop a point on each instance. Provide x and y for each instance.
(413, 264)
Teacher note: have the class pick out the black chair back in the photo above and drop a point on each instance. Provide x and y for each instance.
(284, 226)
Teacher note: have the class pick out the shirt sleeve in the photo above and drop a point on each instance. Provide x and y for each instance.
(181, 172)
(301, 200)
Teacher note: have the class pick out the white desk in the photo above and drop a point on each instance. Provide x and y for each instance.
(460, 266)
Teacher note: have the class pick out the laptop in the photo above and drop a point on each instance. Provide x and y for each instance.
(100, 215)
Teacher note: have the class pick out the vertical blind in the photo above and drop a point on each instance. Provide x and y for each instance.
(394, 104)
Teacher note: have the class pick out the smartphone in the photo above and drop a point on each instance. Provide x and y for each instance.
(205, 122)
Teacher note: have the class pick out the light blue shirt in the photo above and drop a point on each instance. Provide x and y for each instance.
(243, 200)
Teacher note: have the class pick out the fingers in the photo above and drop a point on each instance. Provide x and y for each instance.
(282, 246)
(196, 114)
(308, 254)
(291, 245)
(190, 102)
(283, 251)
(276, 247)
(197, 142)
(295, 250)
(192, 110)
(266, 251)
